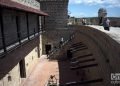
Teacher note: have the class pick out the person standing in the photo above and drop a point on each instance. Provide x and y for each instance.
(61, 42)
(106, 24)
(84, 21)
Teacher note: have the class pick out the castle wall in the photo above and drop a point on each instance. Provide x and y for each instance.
(57, 10)
(20, 45)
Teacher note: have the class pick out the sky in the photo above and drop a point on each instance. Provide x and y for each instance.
(89, 8)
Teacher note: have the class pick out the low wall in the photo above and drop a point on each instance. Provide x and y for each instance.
(109, 48)
(105, 49)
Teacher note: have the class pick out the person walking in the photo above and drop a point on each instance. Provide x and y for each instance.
(106, 24)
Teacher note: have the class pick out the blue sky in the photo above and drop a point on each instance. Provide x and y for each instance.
(89, 8)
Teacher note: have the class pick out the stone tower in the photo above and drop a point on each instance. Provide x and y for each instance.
(57, 11)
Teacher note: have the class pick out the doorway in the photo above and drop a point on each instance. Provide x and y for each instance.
(48, 48)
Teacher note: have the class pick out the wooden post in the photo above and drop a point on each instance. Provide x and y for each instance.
(2, 29)
(18, 27)
(27, 26)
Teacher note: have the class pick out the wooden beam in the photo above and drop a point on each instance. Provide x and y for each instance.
(2, 29)
(27, 26)
(38, 23)
(18, 27)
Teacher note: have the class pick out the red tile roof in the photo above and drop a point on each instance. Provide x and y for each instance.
(15, 5)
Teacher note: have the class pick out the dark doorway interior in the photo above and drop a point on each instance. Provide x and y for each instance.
(48, 48)
(22, 68)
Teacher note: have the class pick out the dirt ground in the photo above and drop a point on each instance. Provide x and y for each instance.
(42, 72)
(45, 68)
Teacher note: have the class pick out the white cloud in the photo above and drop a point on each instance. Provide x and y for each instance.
(84, 1)
(110, 3)
(78, 14)
(75, 1)
(82, 14)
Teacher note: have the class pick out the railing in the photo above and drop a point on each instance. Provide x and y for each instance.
(14, 44)
(54, 54)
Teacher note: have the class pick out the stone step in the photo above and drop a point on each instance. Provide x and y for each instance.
(82, 52)
(77, 47)
(83, 61)
(78, 43)
(82, 56)
(84, 82)
(84, 66)
(83, 48)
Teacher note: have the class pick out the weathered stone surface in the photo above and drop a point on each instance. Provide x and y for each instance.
(57, 10)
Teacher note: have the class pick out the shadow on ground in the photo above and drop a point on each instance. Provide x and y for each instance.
(66, 75)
